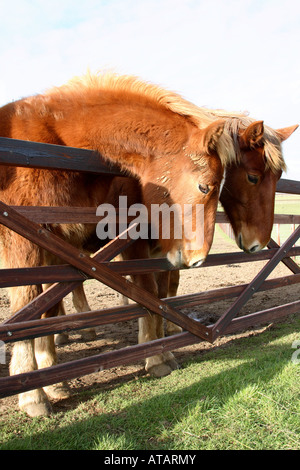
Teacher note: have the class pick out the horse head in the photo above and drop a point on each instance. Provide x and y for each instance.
(248, 192)
(186, 196)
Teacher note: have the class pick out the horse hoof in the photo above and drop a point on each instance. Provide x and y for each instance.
(173, 364)
(173, 330)
(37, 409)
(159, 370)
(57, 391)
(61, 338)
(88, 335)
(171, 361)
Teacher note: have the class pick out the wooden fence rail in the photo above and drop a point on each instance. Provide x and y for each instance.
(27, 324)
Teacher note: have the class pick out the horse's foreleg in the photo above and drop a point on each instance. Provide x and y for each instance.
(163, 285)
(34, 354)
(172, 328)
(34, 402)
(81, 305)
(151, 328)
(151, 325)
(45, 354)
(61, 338)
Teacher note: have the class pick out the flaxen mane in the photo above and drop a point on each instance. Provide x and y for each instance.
(125, 86)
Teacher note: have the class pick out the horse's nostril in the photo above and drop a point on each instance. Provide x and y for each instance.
(254, 248)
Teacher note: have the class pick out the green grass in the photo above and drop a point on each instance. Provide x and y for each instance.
(242, 396)
(285, 205)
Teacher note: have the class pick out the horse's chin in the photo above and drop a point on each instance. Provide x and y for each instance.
(177, 260)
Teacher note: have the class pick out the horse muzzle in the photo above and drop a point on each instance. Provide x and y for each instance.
(178, 260)
(250, 247)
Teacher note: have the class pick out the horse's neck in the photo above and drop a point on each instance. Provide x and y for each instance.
(5, 121)
(125, 134)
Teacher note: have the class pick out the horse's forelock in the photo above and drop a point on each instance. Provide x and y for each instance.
(229, 147)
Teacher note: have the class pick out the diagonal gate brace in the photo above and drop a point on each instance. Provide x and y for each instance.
(53, 244)
(287, 261)
(57, 291)
(220, 326)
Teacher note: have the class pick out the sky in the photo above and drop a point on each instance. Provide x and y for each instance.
(238, 55)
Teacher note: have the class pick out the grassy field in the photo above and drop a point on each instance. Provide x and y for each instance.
(241, 396)
(285, 204)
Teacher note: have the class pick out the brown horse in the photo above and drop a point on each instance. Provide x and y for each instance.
(149, 133)
(248, 191)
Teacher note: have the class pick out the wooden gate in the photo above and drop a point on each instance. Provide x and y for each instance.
(27, 324)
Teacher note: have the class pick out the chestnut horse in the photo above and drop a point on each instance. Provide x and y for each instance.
(148, 132)
(176, 150)
(248, 192)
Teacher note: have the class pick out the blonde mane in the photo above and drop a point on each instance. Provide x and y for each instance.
(228, 146)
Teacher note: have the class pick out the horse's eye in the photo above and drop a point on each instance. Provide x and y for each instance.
(204, 188)
(253, 179)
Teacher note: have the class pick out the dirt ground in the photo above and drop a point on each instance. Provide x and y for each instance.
(124, 334)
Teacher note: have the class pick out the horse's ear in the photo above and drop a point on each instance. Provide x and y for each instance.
(211, 135)
(252, 135)
(285, 133)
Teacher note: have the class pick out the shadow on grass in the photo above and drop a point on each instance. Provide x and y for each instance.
(138, 426)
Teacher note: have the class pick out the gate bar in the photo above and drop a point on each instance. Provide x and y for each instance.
(57, 291)
(226, 318)
(70, 370)
(287, 261)
(15, 152)
(52, 243)
(47, 326)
